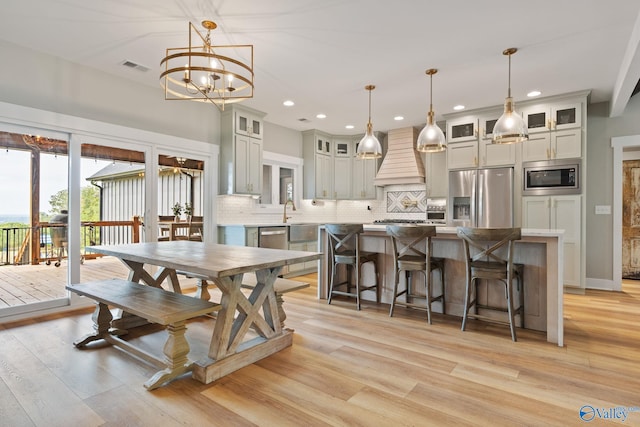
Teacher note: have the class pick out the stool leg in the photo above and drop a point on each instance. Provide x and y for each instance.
(512, 325)
(377, 274)
(358, 272)
(333, 276)
(396, 275)
(444, 309)
(467, 302)
(427, 286)
(521, 292)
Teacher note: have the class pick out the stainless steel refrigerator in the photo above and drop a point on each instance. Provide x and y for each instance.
(481, 198)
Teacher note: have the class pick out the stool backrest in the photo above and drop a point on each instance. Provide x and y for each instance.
(484, 243)
(344, 237)
(407, 239)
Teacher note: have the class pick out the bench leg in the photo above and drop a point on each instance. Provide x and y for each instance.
(176, 350)
(281, 314)
(101, 323)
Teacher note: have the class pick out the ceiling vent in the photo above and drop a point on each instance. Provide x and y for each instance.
(135, 66)
(303, 120)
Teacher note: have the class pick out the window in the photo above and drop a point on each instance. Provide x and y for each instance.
(281, 180)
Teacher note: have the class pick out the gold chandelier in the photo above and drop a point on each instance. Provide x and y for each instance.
(204, 72)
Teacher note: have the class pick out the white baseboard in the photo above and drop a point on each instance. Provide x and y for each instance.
(603, 284)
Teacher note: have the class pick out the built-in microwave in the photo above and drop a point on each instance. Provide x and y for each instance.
(551, 177)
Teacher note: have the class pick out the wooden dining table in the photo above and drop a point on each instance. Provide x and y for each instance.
(247, 327)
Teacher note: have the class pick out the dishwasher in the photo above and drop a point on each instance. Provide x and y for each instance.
(274, 238)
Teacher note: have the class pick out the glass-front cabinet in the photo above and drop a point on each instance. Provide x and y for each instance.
(462, 129)
(546, 117)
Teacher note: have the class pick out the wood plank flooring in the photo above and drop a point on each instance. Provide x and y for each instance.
(346, 368)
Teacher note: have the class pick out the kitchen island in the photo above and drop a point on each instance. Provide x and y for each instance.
(539, 250)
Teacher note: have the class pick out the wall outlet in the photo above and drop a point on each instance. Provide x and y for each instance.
(603, 210)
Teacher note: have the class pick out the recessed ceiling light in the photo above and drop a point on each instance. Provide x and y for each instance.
(349, 126)
(534, 93)
(398, 118)
(458, 107)
(288, 103)
(321, 116)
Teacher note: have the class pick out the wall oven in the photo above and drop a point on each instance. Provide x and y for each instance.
(550, 177)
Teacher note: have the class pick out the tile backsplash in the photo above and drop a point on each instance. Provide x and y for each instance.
(246, 210)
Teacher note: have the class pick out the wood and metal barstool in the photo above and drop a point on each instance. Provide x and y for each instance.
(485, 259)
(412, 254)
(344, 245)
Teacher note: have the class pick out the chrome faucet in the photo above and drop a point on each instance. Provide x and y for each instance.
(284, 216)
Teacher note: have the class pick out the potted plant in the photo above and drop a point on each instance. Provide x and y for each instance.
(188, 210)
(177, 210)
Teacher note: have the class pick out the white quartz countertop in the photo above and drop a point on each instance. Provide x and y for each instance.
(526, 232)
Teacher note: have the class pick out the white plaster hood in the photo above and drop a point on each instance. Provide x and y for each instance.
(402, 164)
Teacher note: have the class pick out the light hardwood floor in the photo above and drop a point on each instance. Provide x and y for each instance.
(346, 368)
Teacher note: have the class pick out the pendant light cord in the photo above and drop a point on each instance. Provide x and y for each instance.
(509, 90)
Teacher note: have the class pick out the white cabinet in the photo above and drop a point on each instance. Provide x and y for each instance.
(555, 131)
(462, 129)
(318, 165)
(364, 173)
(342, 178)
(553, 116)
(462, 155)
(248, 124)
(324, 177)
(496, 154)
(470, 144)
(248, 165)
(437, 177)
(563, 213)
(241, 151)
(343, 146)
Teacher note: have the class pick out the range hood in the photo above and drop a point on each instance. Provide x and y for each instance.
(402, 164)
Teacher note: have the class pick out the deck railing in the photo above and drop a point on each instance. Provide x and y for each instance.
(47, 242)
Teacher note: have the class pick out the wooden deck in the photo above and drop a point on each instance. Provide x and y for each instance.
(27, 284)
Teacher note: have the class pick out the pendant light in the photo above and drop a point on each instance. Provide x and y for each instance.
(510, 127)
(369, 147)
(431, 139)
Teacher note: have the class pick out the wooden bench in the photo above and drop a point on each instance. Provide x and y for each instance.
(281, 286)
(157, 305)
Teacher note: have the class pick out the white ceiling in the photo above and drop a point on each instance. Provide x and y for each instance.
(321, 54)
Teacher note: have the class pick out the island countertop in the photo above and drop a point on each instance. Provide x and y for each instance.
(539, 250)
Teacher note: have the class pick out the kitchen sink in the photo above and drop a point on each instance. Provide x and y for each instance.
(302, 232)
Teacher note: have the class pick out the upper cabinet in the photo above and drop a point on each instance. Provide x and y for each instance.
(552, 116)
(241, 132)
(317, 153)
(462, 129)
(470, 146)
(248, 124)
(555, 130)
(332, 170)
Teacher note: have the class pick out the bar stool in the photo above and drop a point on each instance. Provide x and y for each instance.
(344, 244)
(481, 246)
(412, 254)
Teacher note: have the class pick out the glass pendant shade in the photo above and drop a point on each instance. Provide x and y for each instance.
(510, 127)
(369, 147)
(431, 138)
